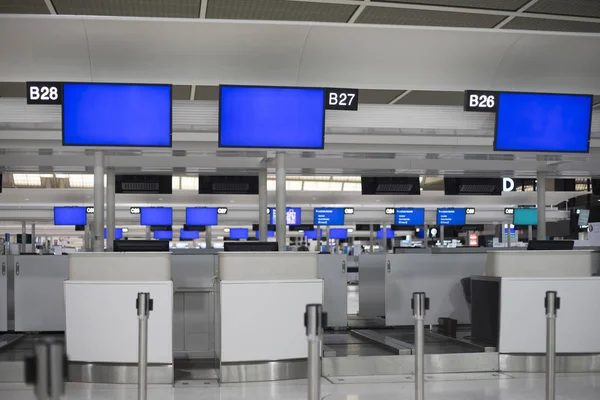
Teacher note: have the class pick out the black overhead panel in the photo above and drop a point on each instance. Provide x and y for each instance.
(391, 185)
(144, 184)
(218, 184)
(564, 185)
(473, 186)
(596, 187)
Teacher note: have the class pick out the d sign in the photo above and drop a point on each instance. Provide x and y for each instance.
(508, 184)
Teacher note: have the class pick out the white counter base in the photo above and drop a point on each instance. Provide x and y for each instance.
(102, 323)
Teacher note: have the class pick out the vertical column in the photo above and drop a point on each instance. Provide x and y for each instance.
(529, 233)
(87, 236)
(371, 238)
(328, 235)
(385, 248)
(541, 205)
(98, 241)
(149, 233)
(33, 241)
(208, 237)
(425, 236)
(508, 238)
(442, 235)
(280, 200)
(22, 247)
(262, 205)
(110, 208)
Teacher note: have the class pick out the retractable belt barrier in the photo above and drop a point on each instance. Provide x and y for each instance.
(144, 305)
(47, 369)
(419, 304)
(314, 321)
(552, 304)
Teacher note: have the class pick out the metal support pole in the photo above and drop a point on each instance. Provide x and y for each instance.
(262, 205)
(314, 320)
(508, 238)
(33, 241)
(110, 209)
(425, 236)
(371, 238)
(144, 306)
(98, 241)
(419, 304)
(328, 235)
(47, 369)
(541, 205)
(442, 235)
(385, 248)
(148, 233)
(530, 233)
(552, 303)
(22, 246)
(280, 200)
(208, 238)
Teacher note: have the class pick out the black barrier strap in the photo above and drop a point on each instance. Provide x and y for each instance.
(556, 302)
(412, 303)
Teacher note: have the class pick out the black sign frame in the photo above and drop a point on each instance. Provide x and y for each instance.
(341, 99)
(482, 99)
(41, 93)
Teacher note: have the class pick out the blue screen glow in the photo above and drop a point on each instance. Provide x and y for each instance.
(189, 235)
(338, 233)
(543, 122)
(100, 114)
(451, 216)
(238, 233)
(525, 216)
(269, 234)
(329, 216)
(293, 216)
(70, 216)
(201, 216)
(389, 233)
(271, 117)
(118, 233)
(156, 216)
(312, 234)
(409, 216)
(163, 235)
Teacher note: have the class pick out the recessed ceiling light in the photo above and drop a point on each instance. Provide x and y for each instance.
(28, 200)
(231, 201)
(160, 199)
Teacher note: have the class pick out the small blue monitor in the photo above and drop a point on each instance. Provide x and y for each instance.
(389, 233)
(451, 216)
(313, 234)
(238, 233)
(338, 233)
(409, 216)
(163, 235)
(70, 216)
(188, 235)
(157, 216)
(118, 233)
(329, 216)
(198, 216)
(525, 216)
(293, 216)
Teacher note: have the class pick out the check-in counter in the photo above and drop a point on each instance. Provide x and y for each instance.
(371, 287)
(333, 271)
(101, 316)
(261, 301)
(438, 273)
(508, 301)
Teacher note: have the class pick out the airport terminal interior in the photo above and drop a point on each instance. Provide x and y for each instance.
(299, 199)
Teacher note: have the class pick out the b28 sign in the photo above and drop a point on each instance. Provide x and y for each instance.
(481, 101)
(44, 93)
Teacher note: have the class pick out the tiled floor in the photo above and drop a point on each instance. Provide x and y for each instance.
(465, 387)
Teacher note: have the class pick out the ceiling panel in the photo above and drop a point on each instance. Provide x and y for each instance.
(507, 5)
(181, 92)
(12, 89)
(400, 16)
(279, 10)
(369, 96)
(207, 93)
(23, 7)
(536, 24)
(130, 8)
(424, 97)
(580, 8)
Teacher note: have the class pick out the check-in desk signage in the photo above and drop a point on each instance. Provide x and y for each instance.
(46, 93)
(480, 101)
(144, 184)
(341, 99)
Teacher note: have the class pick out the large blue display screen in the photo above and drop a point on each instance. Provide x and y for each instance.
(389, 233)
(271, 117)
(543, 122)
(293, 216)
(451, 216)
(329, 216)
(159, 216)
(188, 235)
(163, 235)
(118, 233)
(338, 233)
(201, 216)
(102, 114)
(70, 216)
(525, 216)
(409, 216)
(238, 233)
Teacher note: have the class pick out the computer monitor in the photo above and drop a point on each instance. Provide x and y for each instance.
(250, 246)
(141, 246)
(551, 245)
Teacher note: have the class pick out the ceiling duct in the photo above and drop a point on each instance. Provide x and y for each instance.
(473, 186)
(391, 185)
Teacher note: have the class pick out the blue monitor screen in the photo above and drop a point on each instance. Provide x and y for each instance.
(163, 235)
(525, 216)
(189, 235)
(329, 216)
(279, 117)
(389, 233)
(118, 233)
(238, 233)
(409, 216)
(451, 216)
(70, 216)
(338, 233)
(293, 216)
(543, 122)
(156, 216)
(269, 234)
(102, 114)
(312, 234)
(201, 216)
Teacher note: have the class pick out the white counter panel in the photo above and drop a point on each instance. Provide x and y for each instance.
(150, 266)
(523, 316)
(542, 263)
(267, 265)
(264, 320)
(102, 323)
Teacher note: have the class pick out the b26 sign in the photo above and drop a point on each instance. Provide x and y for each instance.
(44, 93)
(481, 101)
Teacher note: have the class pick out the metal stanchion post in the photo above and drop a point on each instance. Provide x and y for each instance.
(552, 303)
(314, 320)
(144, 306)
(419, 304)
(47, 369)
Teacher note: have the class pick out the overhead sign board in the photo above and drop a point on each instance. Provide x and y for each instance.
(47, 93)
(144, 184)
(341, 99)
(481, 101)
